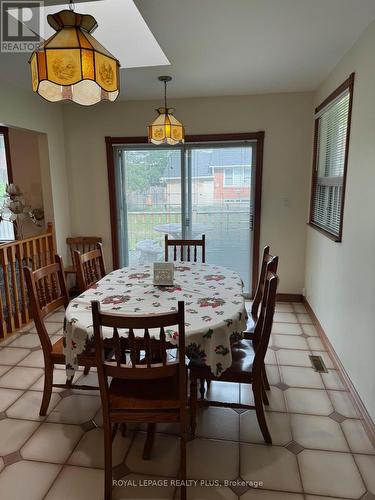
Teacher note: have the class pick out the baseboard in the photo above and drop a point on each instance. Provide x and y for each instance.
(367, 421)
(289, 297)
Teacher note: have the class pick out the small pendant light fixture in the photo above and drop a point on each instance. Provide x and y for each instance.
(72, 65)
(165, 129)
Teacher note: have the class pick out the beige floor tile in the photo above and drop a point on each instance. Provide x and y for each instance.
(90, 379)
(313, 401)
(20, 377)
(64, 439)
(90, 450)
(295, 376)
(273, 374)
(28, 406)
(270, 358)
(52, 328)
(315, 344)
(299, 308)
(56, 317)
(289, 341)
(7, 397)
(318, 497)
(223, 391)
(11, 356)
(210, 493)
(4, 369)
(342, 403)
(26, 340)
(78, 483)
(275, 466)
(134, 486)
(310, 330)
(275, 398)
(59, 377)
(357, 437)
(284, 317)
(283, 307)
(34, 359)
(75, 409)
(27, 480)
(286, 328)
(210, 459)
(318, 433)
(330, 473)
(165, 457)
(326, 358)
(333, 381)
(278, 425)
(259, 494)
(366, 465)
(14, 433)
(304, 318)
(293, 358)
(8, 340)
(217, 423)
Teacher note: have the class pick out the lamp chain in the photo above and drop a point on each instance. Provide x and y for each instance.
(165, 95)
(71, 5)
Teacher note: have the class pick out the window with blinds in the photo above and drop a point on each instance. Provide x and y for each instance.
(332, 126)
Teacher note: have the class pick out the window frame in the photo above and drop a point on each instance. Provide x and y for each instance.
(348, 84)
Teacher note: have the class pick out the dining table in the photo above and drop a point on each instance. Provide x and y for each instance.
(215, 313)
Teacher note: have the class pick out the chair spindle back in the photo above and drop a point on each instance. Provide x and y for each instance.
(187, 248)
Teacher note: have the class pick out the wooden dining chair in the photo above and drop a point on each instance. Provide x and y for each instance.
(89, 267)
(47, 292)
(148, 384)
(186, 248)
(247, 363)
(254, 311)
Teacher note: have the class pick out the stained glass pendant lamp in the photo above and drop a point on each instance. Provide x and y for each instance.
(72, 65)
(165, 129)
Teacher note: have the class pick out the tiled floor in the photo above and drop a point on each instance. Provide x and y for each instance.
(320, 449)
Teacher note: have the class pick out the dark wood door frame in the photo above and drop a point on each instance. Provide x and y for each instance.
(258, 137)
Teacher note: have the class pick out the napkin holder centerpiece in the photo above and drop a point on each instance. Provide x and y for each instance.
(163, 273)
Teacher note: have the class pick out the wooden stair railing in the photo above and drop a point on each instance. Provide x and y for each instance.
(35, 252)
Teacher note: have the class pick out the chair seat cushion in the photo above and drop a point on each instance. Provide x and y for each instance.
(144, 394)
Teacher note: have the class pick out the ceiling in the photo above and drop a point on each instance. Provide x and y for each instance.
(223, 47)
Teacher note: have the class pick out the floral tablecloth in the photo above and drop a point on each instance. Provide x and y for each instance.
(215, 311)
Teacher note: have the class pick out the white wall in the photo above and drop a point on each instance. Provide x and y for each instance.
(286, 120)
(340, 277)
(23, 109)
(25, 158)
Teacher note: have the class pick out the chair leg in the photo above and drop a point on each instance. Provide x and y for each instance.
(86, 370)
(47, 390)
(264, 395)
(183, 460)
(107, 461)
(149, 441)
(257, 391)
(265, 379)
(202, 388)
(193, 404)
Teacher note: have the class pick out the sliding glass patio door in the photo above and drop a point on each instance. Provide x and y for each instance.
(185, 192)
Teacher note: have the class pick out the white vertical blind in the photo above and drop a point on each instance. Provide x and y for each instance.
(330, 164)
